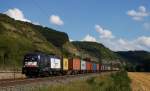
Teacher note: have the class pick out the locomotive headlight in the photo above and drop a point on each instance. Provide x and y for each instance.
(30, 63)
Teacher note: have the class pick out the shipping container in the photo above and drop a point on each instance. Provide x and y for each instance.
(65, 64)
(105, 67)
(108, 68)
(88, 66)
(83, 65)
(102, 67)
(91, 66)
(94, 67)
(55, 63)
(74, 64)
(97, 67)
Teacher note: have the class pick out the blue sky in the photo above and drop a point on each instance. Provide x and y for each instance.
(119, 22)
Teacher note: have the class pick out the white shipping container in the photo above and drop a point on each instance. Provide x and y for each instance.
(103, 67)
(55, 63)
(83, 65)
(109, 68)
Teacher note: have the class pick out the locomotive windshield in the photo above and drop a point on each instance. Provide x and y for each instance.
(31, 60)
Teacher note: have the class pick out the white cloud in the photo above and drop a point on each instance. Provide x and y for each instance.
(140, 43)
(17, 14)
(139, 14)
(146, 25)
(71, 40)
(36, 23)
(89, 38)
(119, 44)
(54, 19)
(116, 44)
(104, 33)
(144, 41)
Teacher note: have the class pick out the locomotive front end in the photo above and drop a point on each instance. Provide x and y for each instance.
(31, 65)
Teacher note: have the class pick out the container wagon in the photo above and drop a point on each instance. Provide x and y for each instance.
(83, 66)
(74, 65)
(98, 67)
(94, 67)
(65, 66)
(102, 67)
(55, 65)
(89, 67)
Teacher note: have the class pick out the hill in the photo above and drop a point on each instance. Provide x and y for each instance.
(55, 37)
(96, 51)
(18, 38)
(136, 60)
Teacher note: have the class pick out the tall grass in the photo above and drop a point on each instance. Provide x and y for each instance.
(115, 82)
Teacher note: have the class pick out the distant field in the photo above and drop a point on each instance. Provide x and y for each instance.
(140, 81)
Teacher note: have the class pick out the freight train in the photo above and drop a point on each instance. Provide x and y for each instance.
(40, 64)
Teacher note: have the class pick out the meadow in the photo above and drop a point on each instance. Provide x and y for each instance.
(118, 81)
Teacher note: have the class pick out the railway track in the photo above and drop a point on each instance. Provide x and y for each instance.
(54, 79)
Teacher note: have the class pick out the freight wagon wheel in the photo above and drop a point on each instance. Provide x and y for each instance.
(35, 75)
(44, 74)
(60, 73)
(29, 76)
(47, 74)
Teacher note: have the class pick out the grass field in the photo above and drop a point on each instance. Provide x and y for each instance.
(140, 81)
(109, 82)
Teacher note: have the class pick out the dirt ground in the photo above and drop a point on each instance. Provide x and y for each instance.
(140, 81)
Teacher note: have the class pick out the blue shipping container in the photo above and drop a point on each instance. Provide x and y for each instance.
(94, 66)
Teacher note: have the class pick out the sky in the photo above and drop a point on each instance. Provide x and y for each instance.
(120, 25)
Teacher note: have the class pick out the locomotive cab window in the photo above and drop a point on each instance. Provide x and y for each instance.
(31, 60)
